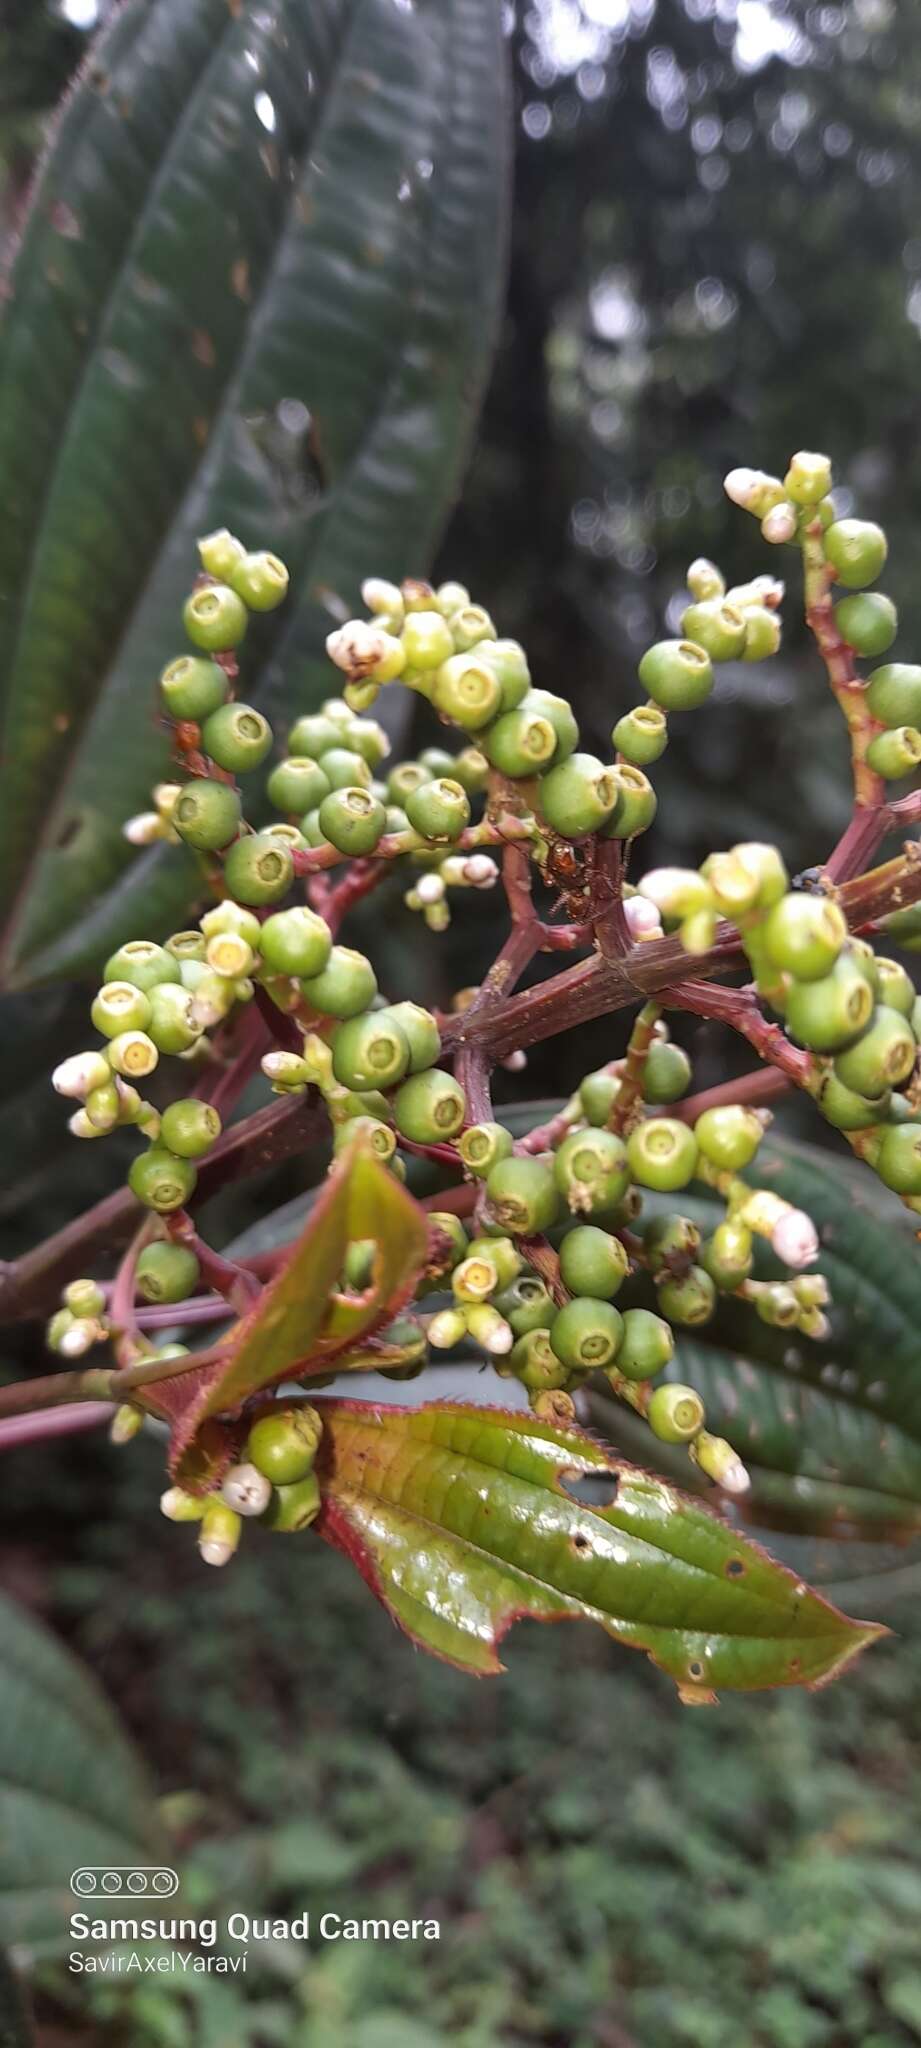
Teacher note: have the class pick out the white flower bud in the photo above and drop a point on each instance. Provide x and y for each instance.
(515, 1062)
(179, 1506)
(125, 1424)
(779, 525)
(83, 1334)
(430, 888)
(719, 1461)
(81, 1126)
(381, 596)
(246, 1490)
(357, 648)
(446, 1328)
(145, 829)
(166, 796)
(481, 871)
(794, 1238)
(753, 490)
(642, 918)
(79, 1075)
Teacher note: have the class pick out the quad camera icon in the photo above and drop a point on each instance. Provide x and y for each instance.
(125, 1880)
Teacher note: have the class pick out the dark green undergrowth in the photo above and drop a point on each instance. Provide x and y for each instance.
(608, 1868)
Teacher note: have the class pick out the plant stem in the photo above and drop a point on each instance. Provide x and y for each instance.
(847, 686)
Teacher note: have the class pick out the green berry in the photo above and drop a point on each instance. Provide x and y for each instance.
(895, 753)
(171, 1019)
(867, 621)
(429, 1107)
(207, 814)
(646, 1346)
(220, 554)
(666, 1072)
(502, 1255)
(522, 1195)
(352, 820)
(133, 1054)
(578, 796)
(762, 633)
(404, 778)
(284, 1444)
(520, 743)
(189, 1128)
(898, 1161)
(143, 963)
(293, 1508)
(562, 718)
(258, 869)
(727, 1255)
(237, 737)
(636, 802)
(422, 1034)
(344, 768)
(586, 1334)
(828, 1014)
(482, 1146)
(525, 1305)
(894, 693)
(296, 941)
(452, 1229)
(678, 674)
(534, 1362)
(882, 1057)
(189, 945)
(192, 687)
(847, 1110)
(471, 769)
(857, 548)
(662, 1154)
(808, 479)
(215, 617)
(804, 935)
(118, 1007)
(592, 1262)
(675, 1413)
(228, 916)
(704, 579)
(426, 640)
(641, 735)
(166, 1272)
(368, 1131)
(370, 1051)
(261, 580)
(717, 625)
(160, 1180)
(439, 810)
(469, 625)
(345, 986)
(451, 597)
(313, 735)
(894, 987)
(367, 738)
(590, 1169)
(467, 691)
(729, 1136)
(509, 664)
(669, 1242)
(688, 1298)
(598, 1094)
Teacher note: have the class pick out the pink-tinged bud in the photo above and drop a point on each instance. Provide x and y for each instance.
(480, 871)
(779, 525)
(753, 490)
(515, 1062)
(79, 1075)
(246, 1490)
(430, 888)
(794, 1238)
(83, 1334)
(642, 918)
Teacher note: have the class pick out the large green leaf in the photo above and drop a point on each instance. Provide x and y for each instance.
(463, 1520)
(72, 1792)
(258, 286)
(831, 1432)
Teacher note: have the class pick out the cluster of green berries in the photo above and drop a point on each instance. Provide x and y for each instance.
(274, 1482)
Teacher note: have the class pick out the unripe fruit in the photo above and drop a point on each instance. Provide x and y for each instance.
(258, 868)
(641, 735)
(523, 1195)
(646, 1345)
(293, 1508)
(520, 743)
(440, 809)
(578, 796)
(675, 1414)
(898, 1162)
(590, 1169)
(220, 554)
(586, 1334)
(469, 625)
(526, 1304)
(370, 1051)
(450, 597)
(119, 1006)
(133, 1054)
(666, 1072)
(214, 617)
(84, 1298)
(218, 1532)
(894, 693)
(804, 935)
(352, 820)
(426, 640)
(729, 1136)
(229, 954)
(172, 1021)
(670, 1242)
(868, 622)
(704, 579)
(313, 735)
(808, 479)
(429, 1107)
(160, 1180)
(261, 580)
(367, 1131)
(828, 1014)
(847, 1110)
(534, 1362)
(237, 737)
(367, 738)
(689, 1299)
(727, 1256)
(884, 1056)
(467, 691)
(232, 917)
(452, 1230)
(635, 803)
(296, 941)
(207, 814)
(598, 1094)
(509, 664)
(166, 1272)
(422, 1034)
(502, 1254)
(762, 634)
(857, 548)
(344, 768)
(482, 1146)
(562, 718)
(662, 1154)
(678, 674)
(716, 625)
(344, 986)
(189, 1128)
(593, 1262)
(894, 987)
(283, 1444)
(192, 687)
(895, 753)
(143, 963)
(470, 768)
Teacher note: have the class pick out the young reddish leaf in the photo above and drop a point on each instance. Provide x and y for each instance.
(463, 1520)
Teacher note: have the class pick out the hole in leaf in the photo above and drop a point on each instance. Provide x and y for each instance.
(590, 1489)
(67, 835)
(696, 1669)
(580, 1542)
(734, 1568)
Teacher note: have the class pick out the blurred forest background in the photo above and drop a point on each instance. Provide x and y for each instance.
(716, 258)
